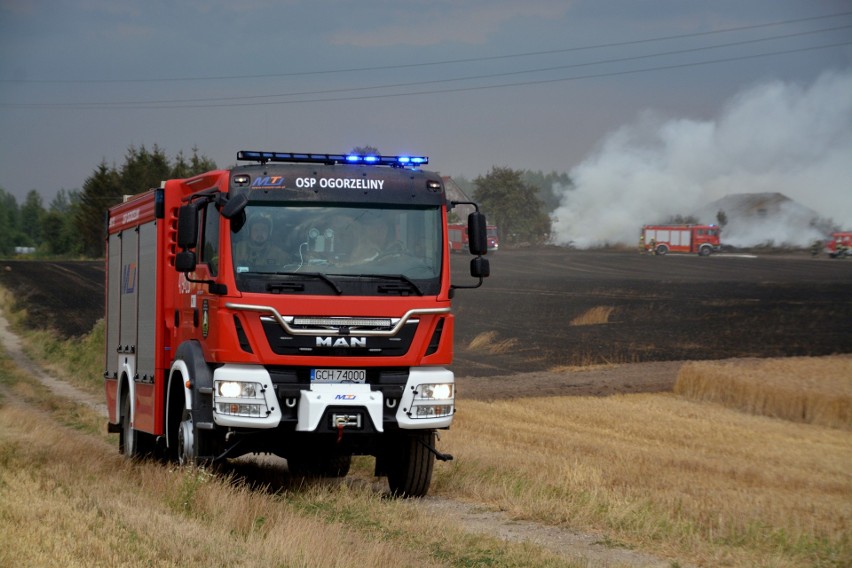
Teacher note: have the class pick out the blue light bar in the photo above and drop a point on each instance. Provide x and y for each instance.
(306, 158)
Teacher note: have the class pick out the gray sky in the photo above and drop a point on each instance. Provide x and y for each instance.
(532, 84)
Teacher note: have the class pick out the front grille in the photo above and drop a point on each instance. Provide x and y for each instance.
(342, 340)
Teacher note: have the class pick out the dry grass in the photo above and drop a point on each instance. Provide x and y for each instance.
(594, 316)
(488, 342)
(813, 390)
(67, 498)
(70, 501)
(673, 477)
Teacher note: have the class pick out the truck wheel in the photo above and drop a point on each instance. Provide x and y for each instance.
(131, 442)
(411, 474)
(704, 251)
(662, 250)
(127, 437)
(192, 446)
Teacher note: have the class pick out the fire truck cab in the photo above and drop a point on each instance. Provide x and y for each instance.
(299, 305)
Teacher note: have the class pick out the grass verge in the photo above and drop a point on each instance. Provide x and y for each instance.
(67, 498)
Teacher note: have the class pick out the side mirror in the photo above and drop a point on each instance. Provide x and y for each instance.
(185, 261)
(480, 267)
(477, 242)
(234, 206)
(187, 233)
(477, 233)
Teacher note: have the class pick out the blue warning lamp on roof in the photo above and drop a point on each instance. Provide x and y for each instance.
(305, 158)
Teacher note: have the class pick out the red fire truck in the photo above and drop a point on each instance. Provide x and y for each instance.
(663, 239)
(839, 245)
(458, 237)
(298, 305)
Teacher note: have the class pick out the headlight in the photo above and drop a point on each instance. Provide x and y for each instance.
(237, 389)
(432, 400)
(437, 391)
(238, 398)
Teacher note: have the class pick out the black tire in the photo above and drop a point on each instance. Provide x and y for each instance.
(662, 250)
(704, 251)
(410, 474)
(132, 443)
(127, 439)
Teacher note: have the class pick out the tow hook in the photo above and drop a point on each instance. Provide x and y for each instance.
(340, 421)
(438, 455)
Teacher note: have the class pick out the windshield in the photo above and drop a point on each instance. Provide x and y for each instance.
(337, 249)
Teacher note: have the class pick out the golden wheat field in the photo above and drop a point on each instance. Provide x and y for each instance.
(812, 390)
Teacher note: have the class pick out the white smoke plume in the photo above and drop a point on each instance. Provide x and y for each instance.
(772, 138)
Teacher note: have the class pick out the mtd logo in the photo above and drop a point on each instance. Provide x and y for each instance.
(268, 182)
(128, 278)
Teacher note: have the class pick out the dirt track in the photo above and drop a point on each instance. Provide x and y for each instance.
(665, 310)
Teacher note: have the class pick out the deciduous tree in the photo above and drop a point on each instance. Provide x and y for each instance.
(513, 206)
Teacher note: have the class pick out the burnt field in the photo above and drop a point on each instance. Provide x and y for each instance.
(662, 309)
(668, 308)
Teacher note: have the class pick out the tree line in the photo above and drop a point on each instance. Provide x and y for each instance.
(519, 202)
(72, 225)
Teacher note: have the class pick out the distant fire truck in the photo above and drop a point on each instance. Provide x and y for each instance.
(298, 306)
(663, 239)
(458, 238)
(839, 245)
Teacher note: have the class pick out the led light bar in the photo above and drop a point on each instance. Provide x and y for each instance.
(292, 157)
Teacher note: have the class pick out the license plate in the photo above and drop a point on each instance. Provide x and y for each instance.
(338, 376)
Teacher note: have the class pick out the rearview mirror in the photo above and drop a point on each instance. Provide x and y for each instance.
(185, 261)
(480, 267)
(187, 233)
(477, 233)
(234, 206)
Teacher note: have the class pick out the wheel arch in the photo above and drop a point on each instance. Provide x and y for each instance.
(191, 377)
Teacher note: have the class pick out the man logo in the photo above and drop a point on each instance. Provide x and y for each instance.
(341, 342)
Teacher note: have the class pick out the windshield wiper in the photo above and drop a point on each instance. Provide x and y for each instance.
(399, 277)
(318, 275)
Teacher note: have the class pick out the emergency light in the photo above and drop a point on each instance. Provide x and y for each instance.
(292, 157)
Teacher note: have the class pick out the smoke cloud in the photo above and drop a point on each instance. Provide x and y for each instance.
(773, 138)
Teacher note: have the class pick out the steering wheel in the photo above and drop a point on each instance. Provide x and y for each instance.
(396, 248)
